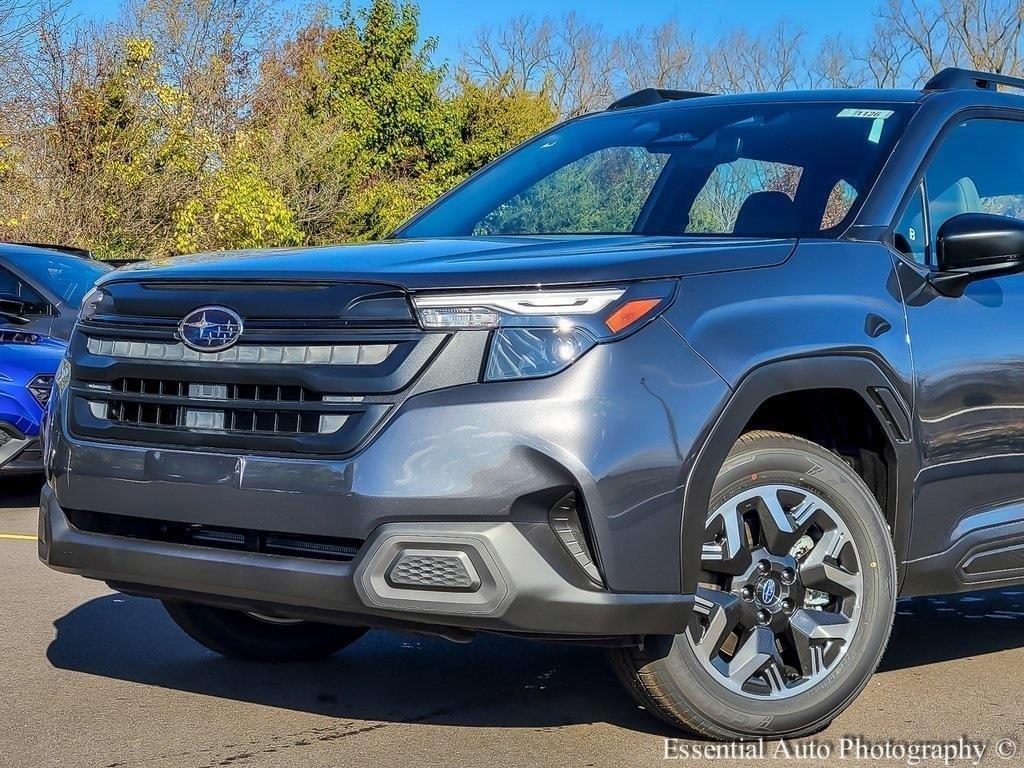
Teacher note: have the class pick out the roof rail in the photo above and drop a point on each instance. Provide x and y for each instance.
(649, 96)
(954, 77)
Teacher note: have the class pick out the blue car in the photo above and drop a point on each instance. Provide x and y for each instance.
(27, 364)
(41, 288)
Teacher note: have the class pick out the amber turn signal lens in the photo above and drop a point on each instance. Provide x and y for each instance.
(629, 313)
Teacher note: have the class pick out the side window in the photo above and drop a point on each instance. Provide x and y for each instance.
(14, 289)
(722, 201)
(8, 284)
(910, 237)
(840, 201)
(602, 192)
(979, 168)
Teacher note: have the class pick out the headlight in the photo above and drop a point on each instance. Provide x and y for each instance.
(485, 310)
(522, 353)
(41, 387)
(91, 303)
(63, 376)
(538, 333)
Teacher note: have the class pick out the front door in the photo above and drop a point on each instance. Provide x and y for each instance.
(968, 351)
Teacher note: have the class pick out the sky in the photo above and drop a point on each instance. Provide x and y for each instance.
(454, 22)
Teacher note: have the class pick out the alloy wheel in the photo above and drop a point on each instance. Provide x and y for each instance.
(780, 599)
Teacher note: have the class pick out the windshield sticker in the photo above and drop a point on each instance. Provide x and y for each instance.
(876, 130)
(870, 114)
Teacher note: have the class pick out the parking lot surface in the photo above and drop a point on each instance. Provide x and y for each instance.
(94, 678)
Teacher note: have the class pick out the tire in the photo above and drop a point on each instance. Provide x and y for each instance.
(829, 631)
(251, 637)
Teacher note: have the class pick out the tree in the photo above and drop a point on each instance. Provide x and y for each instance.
(362, 130)
(210, 124)
(569, 60)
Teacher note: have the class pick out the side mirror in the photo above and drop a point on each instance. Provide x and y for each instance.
(971, 246)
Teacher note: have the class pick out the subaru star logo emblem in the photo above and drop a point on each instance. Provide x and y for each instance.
(210, 329)
(768, 591)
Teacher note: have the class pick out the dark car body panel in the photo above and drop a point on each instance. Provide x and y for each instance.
(782, 310)
(477, 261)
(459, 452)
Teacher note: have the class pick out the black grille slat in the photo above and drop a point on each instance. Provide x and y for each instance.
(269, 409)
(221, 537)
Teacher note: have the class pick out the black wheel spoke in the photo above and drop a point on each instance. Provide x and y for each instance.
(721, 612)
(821, 569)
(757, 655)
(782, 529)
(813, 632)
(727, 553)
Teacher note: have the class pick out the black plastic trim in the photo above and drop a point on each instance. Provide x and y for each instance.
(536, 599)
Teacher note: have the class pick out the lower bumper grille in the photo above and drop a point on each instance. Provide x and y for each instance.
(266, 542)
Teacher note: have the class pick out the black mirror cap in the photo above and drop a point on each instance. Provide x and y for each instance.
(980, 243)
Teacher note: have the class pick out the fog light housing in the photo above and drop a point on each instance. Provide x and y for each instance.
(41, 387)
(446, 570)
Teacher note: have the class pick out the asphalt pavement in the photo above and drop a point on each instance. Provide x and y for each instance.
(93, 678)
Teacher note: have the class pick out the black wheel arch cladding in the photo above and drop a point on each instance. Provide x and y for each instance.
(859, 374)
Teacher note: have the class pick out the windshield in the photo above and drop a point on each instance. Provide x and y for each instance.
(759, 169)
(69, 277)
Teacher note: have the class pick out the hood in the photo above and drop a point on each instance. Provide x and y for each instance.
(473, 262)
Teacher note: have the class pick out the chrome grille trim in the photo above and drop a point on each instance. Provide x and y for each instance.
(263, 354)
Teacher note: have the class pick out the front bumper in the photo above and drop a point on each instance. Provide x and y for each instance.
(483, 464)
(518, 590)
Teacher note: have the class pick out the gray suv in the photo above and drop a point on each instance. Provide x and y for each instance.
(710, 380)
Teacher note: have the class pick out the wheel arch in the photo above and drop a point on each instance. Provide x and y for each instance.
(860, 376)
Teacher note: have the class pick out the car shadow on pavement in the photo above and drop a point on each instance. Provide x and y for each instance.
(20, 491)
(493, 681)
(390, 677)
(960, 626)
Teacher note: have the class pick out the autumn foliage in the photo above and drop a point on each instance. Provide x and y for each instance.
(188, 125)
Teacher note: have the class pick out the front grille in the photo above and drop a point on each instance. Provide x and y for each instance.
(250, 408)
(261, 354)
(316, 370)
(217, 537)
(8, 336)
(239, 409)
